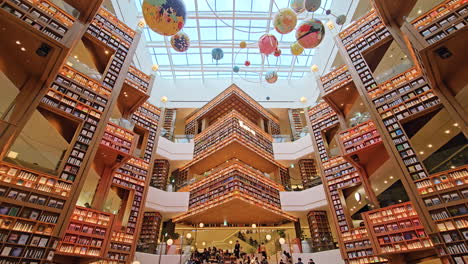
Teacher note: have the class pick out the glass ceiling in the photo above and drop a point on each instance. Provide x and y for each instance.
(224, 24)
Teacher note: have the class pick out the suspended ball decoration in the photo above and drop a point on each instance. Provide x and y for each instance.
(247, 63)
(165, 17)
(296, 49)
(235, 69)
(277, 53)
(268, 98)
(271, 76)
(217, 54)
(312, 5)
(297, 6)
(267, 44)
(285, 20)
(180, 42)
(310, 33)
(243, 44)
(340, 20)
(328, 12)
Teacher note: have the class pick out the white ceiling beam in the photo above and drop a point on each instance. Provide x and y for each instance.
(199, 37)
(228, 68)
(217, 44)
(239, 15)
(169, 54)
(233, 26)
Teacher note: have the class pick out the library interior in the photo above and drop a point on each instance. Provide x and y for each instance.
(233, 132)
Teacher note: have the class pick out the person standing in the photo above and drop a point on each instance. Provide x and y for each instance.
(311, 261)
(237, 249)
(300, 261)
(263, 250)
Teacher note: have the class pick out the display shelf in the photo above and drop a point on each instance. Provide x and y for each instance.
(360, 138)
(441, 183)
(438, 40)
(285, 178)
(322, 117)
(296, 123)
(247, 106)
(42, 15)
(87, 233)
(358, 247)
(149, 234)
(393, 12)
(231, 133)
(135, 91)
(320, 231)
(147, 116)
(169, 123)
(160, 174)
(309, 173)
(397, 229)
(116, 146)
(336, 79)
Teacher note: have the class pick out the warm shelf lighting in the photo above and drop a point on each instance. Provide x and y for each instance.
(254, 226)
(357, 196)
(170, 241)
(201, 225)
(282, 240)
(268, 237)
(188, 236)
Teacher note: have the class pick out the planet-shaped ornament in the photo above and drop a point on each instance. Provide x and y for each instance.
(312, 5)
(180, 42)
(267, 44)
(297, 6)
(340, 20)
(235, 69)
(271, 76)
(217, 54)
(285, 20)
(165, 17)
(243, 44)
(296, 49)
(247, 63)
(310, 33)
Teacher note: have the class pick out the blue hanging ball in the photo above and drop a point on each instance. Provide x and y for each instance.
(217, 54)
(235, 69)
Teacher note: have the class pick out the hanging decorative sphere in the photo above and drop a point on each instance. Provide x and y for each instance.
(247, 63)
(328, 12)
(267, 44)
(277, 53)
(341, 19)
(268, 98)
(285, 20)
(296, 49)
(297, 6)
(312, 5)
(243, 44)
(310, 33)
(165, 17)
(235, 69)
(180, 42)
(271, 76)
(217, 54)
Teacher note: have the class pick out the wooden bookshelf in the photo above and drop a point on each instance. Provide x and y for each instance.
(295, 121)
(169, 123)
(338, 90)
(232, 98)
(393, 12)
(309, 173)
(397, 229)
(160, 174)
(29, 213)
(147, 117)
(320, 232)
(358, 247)
(149, 235)
(437, 38)
(87, 233)
(117, 145)
(86, 10)
(135, 91)
(230, 136)
(285, 178)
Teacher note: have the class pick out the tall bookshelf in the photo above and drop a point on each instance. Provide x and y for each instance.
(149, 235)
(309, 173)
(296, 123)
(169, 122)
(160, 174)
(320, 232)
(404, 98)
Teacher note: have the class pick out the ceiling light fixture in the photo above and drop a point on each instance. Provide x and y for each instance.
(429, 145)
(106, 52)
(385, 182)
(18, 42)
(357, 196)
(23, 49)
(455, 124)
(391, 177)
(421, 152)
(447, 131)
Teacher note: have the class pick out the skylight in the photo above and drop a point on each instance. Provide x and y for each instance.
(231, 22)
